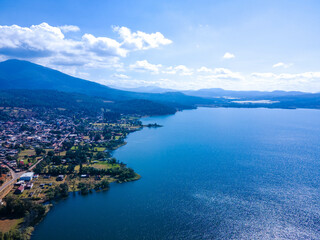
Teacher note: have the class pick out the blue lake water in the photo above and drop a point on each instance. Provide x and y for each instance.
(207, 174)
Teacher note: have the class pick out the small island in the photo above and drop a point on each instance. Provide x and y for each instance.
(152, 125)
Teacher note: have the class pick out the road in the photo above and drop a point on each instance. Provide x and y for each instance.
(15, 176)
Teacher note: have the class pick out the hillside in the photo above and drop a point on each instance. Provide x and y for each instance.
(42, 100)
(17, 74)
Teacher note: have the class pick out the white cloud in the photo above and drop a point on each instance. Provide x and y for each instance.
(263, 75)
(120, 76)
(183, 70)
(103, 46)
(180, 70)
(69, 28)
(281, 64)
(204, 69)
(227, 79)
(288, 76)
(47, 45)
(228, 55)
(140, 40)
(144, 65)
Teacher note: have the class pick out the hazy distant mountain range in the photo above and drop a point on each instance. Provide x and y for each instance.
(59, 88)
(217, 92)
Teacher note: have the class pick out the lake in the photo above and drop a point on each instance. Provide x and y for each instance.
(210, 173)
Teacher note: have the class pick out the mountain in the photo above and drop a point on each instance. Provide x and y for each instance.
(42, 100)
(147, 89)
(17, 74)
(221, 93)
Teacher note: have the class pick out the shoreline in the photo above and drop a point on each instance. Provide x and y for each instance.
(27, 231)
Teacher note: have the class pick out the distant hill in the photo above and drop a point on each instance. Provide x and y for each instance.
(76, 102)
(17, 74)
(220, 93)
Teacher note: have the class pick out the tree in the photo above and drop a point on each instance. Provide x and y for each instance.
(100, 155)
(50, 153)
(97, 137)
(39, 151)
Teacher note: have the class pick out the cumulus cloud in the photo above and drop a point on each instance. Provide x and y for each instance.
(120, 76)
(103, 46)
(228, 55)
(180, 70)
(47, 45)
(204, 69)
(69, 28)
(305, 75)
(144, 65)
(140, 40)
(281, 64)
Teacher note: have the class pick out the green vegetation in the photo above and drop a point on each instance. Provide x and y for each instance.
(60, 191)
(16, 208)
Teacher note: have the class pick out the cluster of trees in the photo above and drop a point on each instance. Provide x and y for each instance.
(111, 116)
(60, 191)
(14, 235)
(102, 185)
(122, 173)
(84, 188)
(4, 117)
(114, 143)
(57, 170)
(18, 208)
(25, 127)
(39, 151)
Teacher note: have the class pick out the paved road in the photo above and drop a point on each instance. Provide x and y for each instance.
(34, 165)
(15, 176)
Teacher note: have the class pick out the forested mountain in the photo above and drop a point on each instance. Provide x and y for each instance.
(17, 74)
(76, 102)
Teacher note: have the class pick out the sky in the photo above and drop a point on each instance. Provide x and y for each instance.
(231, 44)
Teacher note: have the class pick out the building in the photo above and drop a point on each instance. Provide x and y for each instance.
(27, 176)
(19, 190)
(29, 185)
(60, 178)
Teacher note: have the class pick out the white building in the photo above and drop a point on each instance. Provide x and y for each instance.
(27, 176)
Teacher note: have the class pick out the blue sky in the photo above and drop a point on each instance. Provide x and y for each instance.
(239, 45)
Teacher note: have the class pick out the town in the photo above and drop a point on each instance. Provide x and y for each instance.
(45, 158)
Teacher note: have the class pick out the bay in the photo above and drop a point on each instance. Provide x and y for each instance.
(210, 173)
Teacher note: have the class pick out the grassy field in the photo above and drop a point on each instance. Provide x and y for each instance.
(99, 149)
(7, 224)
(27, 152)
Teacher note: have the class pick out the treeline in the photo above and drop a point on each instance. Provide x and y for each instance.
(18, 208)
(70, 104)
(31, 211)
(51, 165)
(86, 187)
(60, 191)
